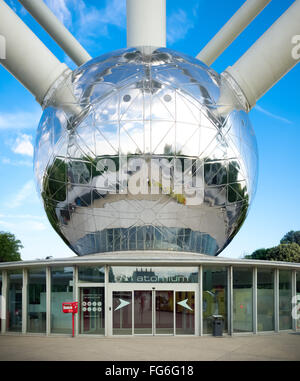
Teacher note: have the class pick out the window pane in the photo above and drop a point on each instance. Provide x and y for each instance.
(265, 300)
(92, 310)
(14, 300)
(285, 299)
(185, 312)
(61, 291)
(0, 299)
(153, 275)
(122, 313)
(298, 294)
(214, 296)
(242, 300)
(36, 300)
(91, 274)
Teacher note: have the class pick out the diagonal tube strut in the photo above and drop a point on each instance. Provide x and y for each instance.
(26, 57)
(269, 58)
(231, 30)
(60, 34)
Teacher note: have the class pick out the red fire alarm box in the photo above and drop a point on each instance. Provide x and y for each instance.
(72, 308)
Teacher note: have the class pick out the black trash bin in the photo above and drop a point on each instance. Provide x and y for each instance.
(218, 325)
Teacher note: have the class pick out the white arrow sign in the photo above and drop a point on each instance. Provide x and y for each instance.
(122, 304)
(184, 304)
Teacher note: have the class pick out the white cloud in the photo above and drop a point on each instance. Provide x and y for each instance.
(24, 193)
(16, 163)
(178, 25)
(271, 115)
(88, 22)
(23, 145)
(19, 120)
(61, 11)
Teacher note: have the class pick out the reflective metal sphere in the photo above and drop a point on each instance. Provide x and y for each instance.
(142, 159)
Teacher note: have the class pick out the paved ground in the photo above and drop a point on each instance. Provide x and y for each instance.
(276, 347)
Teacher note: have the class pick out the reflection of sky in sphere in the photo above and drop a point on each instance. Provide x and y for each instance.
(158, 105)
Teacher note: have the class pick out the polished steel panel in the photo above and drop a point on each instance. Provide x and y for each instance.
(143, 159)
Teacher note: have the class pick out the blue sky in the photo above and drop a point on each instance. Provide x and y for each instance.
(100, 25)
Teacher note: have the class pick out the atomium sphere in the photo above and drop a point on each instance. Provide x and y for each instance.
(142, 159)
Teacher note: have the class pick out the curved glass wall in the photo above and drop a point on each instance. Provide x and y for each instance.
(242, 299)
(285, 299)
(61, 291)
(215, 294)
(36, 301)
(265, 300)
(14, 300)
(146, 238)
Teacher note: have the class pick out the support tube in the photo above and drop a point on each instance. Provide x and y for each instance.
(275, 53)
(60, 34)
(146, 23)
(231, 30)
(26, 57)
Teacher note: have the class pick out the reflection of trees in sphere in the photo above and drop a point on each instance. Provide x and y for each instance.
(131, 107)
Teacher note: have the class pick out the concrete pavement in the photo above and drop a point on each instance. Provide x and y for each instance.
(271, 347)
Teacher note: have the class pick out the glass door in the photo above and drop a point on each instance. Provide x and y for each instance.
(143, 314)
(92, 310)
(154, 312)
(122, 313)
(185, 313)
(164, 312)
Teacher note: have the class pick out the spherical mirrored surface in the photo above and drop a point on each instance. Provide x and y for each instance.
(142, 160)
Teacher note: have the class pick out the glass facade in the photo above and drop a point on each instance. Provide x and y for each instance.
(242, 299)
(157, 300)
(36, 301)
(265, 300)
(153, 274)
(91, 274)
(14, 300)
(215, 294)
(61, 291)
(285, 299)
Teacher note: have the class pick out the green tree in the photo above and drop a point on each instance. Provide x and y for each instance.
(9, 247)
(291, 237)
(289, 252)
(258, 254)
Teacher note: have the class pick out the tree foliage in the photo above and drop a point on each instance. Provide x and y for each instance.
(9, 247)
(291, 237)
(288, 250)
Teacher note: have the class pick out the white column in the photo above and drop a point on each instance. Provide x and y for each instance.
(4, 301)
(200, 301)
(146, 23)
(231, 30)
(48, 301)
(27, 58)
(255, 300)
(275, 53)
(43, 15)
(24, 302)
(294, 293)
(230, 301)
(76, 298)
(276, 296)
